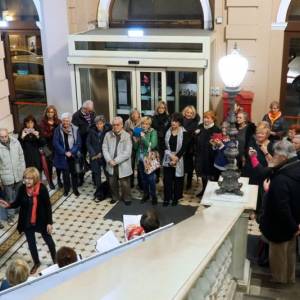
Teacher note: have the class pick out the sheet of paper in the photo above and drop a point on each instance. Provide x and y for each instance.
(107, 242)
(49, 270)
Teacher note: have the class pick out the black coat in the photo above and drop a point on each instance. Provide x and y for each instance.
(44, 210)
(94, 145)
(161, 123)
(31, 145)
(190, 125)
(204, 154)
(82, 124)
(281, 208)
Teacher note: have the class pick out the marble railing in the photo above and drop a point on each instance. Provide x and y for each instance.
(192, 260)
(216, 282)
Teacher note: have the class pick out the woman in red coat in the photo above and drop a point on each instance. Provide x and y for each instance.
(35, 214)
(49, 122)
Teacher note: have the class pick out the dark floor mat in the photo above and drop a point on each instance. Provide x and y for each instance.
(167, 215)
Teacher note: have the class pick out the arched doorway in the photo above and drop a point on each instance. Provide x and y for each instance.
(23, 58)
(290, 82)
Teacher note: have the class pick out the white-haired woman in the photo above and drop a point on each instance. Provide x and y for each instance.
(67, 144)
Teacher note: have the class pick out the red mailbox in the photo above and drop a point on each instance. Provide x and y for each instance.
(243, 99)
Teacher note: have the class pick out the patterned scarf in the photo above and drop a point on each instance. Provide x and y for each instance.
(274, 116)
(34, 192)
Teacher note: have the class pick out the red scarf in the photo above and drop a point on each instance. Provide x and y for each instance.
(34, 192)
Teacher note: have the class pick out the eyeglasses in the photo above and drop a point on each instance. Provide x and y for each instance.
(4, 137)
(116, 124)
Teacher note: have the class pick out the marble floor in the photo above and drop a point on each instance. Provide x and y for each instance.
(79, 222)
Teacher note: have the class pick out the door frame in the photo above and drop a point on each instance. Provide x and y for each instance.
(135, 87)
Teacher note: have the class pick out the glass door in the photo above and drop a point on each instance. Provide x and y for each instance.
(122, 92)
(151, 88)
(183, 88)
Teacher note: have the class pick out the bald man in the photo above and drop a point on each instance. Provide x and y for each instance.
(12, 167)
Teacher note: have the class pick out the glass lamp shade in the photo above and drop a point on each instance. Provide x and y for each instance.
(233, 69)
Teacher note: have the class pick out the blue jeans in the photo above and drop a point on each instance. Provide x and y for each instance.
(10, 192)
(148, 181)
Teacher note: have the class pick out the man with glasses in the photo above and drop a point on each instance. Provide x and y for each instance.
(12, 167)
(117, 148)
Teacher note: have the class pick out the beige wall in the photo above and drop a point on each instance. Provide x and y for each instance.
(249, 24)
(82, 14)
(5, 115)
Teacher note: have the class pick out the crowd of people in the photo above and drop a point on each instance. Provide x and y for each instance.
(144, 149)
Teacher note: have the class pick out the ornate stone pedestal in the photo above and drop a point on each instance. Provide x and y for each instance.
(240, 266)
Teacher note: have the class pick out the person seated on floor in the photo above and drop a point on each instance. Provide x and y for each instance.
(16, 273)
(65, 256)
(149, 222)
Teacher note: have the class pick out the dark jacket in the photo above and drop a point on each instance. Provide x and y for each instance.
(31, 145)
(277, 127)
(281, 209)
(83, 126)
(161, 123)
(190, 125)
(94, 145)
(44, 210)
(47, 131)
(204, 154)
(60, 159)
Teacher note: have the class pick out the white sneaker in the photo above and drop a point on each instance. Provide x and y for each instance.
(10, 221)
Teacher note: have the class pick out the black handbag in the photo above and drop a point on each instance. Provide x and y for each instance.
(46, 151)
(78, 164)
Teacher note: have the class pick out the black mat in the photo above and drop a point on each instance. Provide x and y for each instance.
(167, 215)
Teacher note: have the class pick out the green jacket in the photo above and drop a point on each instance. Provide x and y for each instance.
(142, 145)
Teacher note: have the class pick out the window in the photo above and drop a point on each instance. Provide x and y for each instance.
(157, 13)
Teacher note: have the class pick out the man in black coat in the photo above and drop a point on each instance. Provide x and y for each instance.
(84, 119)
(281, 212)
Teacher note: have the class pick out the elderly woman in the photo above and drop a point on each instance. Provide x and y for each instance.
(67, 144)
(263, 148)
(177, 140)
(94, 145)
(246, 130)
(204, 154)
(35, 214)
(133, 127)
(17, 272)
(276, 121)
(190, 123)
(31, 142)
(142, 145)
(161, 123)
(48, 124)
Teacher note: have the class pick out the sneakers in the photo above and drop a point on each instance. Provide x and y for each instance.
(1, 226)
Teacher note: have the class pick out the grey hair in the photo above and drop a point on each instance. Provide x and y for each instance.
(4, 129)
(245, 114)
(87, 103)
(100, 118)
(117, 119)
(66, 115)
(285, 148)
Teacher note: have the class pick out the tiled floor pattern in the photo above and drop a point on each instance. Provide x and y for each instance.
(78, 223)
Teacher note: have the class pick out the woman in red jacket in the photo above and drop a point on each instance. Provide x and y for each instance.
(49, 122)
(35, 214)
